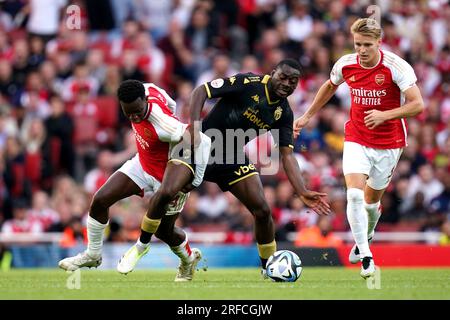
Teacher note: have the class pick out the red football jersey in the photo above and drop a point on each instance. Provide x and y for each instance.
(382, 88)
(157, 132)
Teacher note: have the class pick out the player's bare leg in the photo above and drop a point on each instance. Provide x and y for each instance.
(358, 220)
(156, 221)
(118, 186)
(250, 192)
(176, 176)
(178, 242)
(372, 205)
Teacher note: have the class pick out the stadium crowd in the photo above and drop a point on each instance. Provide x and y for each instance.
(62, 132)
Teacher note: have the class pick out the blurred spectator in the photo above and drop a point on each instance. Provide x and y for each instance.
(151, 60)
(178, 54)
(8, 125)
(221, 68)
(74, 233)
(86, 116)
(425, 182)
(17, 183)
(44, 17)
(154, 16)
(81, 79)
(42, 212)
(97, 177)
(59, 149)
(200, 36)
(33, 140)
(299, 24)
(21, 221)
(184, 90)
(20, 61)
(129, 67)
(9, 88)
(213, 203)
(100, 15)
(191, 217)
(441, 203)
(319, 235)
(95, 61)
(113, 78)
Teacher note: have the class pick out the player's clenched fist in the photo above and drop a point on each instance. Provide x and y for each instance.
(374, 118)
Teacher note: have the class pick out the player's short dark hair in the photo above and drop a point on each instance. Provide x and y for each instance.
(130, 90)
(291, 63)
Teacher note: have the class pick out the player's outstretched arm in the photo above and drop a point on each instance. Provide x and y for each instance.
(312, 199)
(324, 94)
(413, 106)
(197, 100)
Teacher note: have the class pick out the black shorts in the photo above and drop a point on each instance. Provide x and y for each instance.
(226, 175)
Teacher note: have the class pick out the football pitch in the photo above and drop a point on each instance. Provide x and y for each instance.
(224, 284)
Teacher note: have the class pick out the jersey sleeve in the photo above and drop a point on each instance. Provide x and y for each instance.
(167, 126)
(285, 129)
(153, 91)
(336, 76)
(225, 86)
(403, 74)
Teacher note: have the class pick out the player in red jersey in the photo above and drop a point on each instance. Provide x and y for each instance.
(158, 133)
(383, 92)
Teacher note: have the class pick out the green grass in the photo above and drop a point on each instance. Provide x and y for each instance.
(229, 284)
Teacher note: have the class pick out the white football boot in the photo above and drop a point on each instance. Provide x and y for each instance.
(186, 270)
(130, 259)
(79, 261)
(354, 257)
(367, 267)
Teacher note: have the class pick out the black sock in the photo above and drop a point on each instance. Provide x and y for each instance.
(145, 236)
(263, 263)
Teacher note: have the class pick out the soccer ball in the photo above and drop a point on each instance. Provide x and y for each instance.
(284, 266)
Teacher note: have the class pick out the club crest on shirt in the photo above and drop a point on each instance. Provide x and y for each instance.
(256, 98)
(277, 113)
(379, 79)
(147, 133)
(217, 83)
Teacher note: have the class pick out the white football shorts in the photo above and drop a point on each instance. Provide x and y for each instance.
(149, 184)
(377, 164)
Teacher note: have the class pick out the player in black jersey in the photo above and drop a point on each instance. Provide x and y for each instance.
(251, 103)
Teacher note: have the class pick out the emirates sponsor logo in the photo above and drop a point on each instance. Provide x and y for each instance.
(366, 93)
(144, 144)
(379, 79)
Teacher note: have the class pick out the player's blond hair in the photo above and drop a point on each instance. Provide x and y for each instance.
(367, 27)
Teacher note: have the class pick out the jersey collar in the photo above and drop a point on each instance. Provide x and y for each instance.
(264, 81)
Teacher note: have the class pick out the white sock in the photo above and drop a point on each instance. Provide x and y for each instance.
(374, 213)
(358, 220)
(141, 246)
(95, 236)
(183, 251)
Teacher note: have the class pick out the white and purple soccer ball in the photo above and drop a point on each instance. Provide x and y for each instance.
(284, 266)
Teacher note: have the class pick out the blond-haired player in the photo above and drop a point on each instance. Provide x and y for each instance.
(384, 92)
